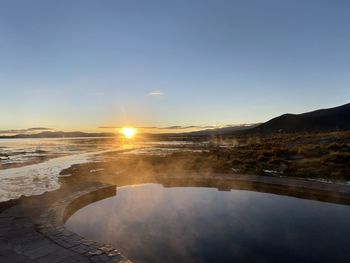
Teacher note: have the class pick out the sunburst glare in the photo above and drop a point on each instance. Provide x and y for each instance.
(128, 132)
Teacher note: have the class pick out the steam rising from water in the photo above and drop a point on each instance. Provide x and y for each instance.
(35, 179)
(152, 223)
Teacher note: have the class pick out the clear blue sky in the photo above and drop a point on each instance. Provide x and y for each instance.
(80, 64)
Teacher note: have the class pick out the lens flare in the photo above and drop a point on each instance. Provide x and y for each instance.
(128, 132)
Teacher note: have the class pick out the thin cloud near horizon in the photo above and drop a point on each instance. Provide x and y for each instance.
(27, 130)
(156, 93)
(158, 128)
(176, 127)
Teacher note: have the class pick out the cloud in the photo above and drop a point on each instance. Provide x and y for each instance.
(25, 131)
(177, 127)
(119, 127)
(39, 129)
(156, 93)
(109, 127)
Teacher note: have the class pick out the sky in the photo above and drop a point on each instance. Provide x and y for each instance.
(82, 64)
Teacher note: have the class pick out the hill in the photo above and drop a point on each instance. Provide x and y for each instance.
(59, 134)
(324, 120)
(223, 131)
(332, 119)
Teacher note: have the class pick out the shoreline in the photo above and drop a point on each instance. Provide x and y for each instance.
(38, 178)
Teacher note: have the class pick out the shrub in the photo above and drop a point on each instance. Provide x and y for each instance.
(338, 158)
(278, 162)
(337, 146)
(262, 158)
(311, 151)
(237, 162)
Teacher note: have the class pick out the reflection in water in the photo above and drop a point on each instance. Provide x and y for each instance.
(22, 152)
(32, 166)
(150, 223)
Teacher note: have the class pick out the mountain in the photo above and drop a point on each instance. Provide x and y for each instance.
(222, 131)
(59, 134)
(331, 119)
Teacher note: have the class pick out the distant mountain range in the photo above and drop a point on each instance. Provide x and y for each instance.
(223, 131)
(331, 119)
(59, 134)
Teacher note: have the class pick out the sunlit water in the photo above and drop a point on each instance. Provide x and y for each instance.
(21, 152)
(150, 223)
(32, 166)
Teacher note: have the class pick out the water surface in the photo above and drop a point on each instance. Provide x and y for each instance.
(150, 223)
(32, 166)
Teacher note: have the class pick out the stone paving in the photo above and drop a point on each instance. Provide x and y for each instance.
(32, 229)
(45, 239)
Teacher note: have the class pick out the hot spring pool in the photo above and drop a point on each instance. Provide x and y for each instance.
(151, 223)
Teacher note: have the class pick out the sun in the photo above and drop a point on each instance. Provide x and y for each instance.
(128, 132)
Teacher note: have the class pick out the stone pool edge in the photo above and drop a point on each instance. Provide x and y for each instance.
(44, 238)
(51, 225)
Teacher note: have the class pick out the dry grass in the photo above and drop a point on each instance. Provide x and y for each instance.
(319, 155)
